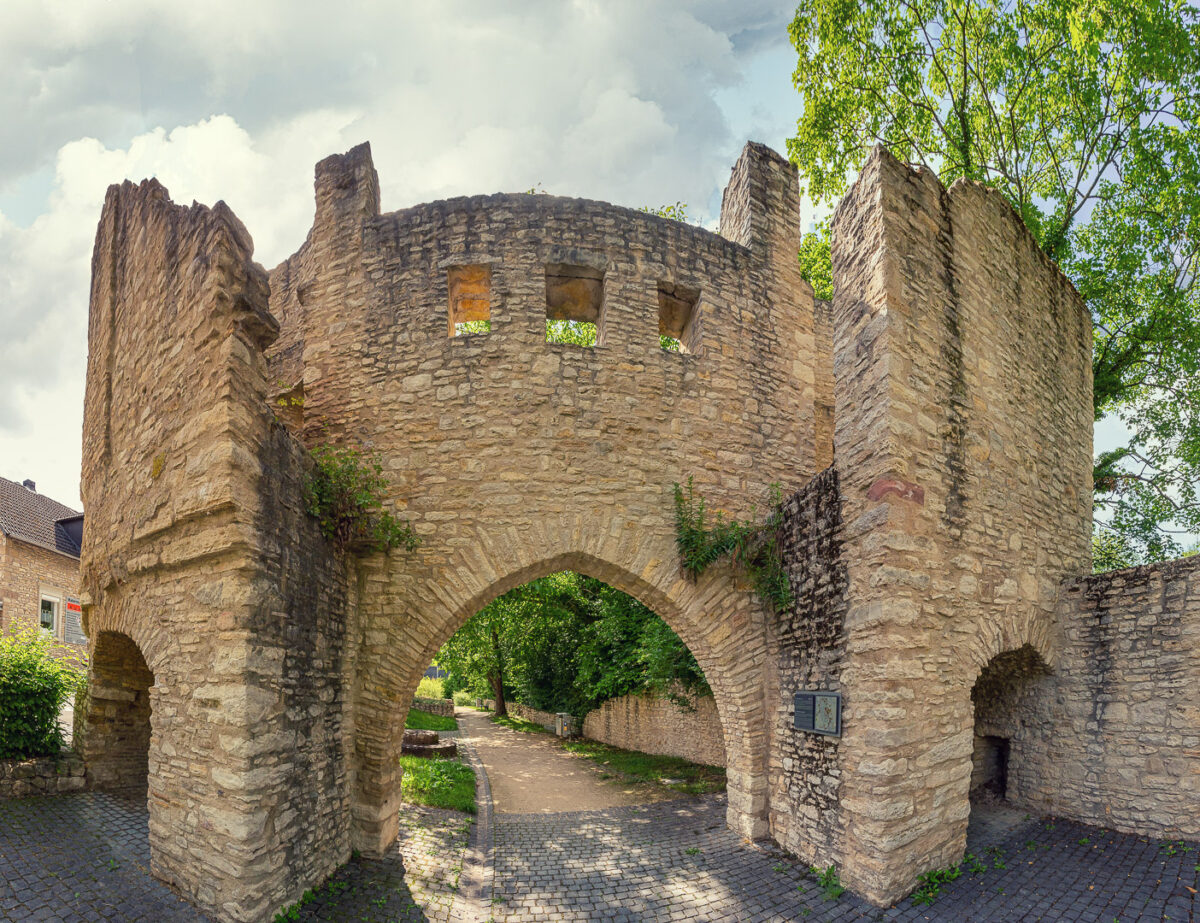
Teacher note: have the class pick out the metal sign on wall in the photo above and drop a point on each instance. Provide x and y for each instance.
(818, 713)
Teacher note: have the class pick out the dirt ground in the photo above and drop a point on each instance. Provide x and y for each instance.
(532, 774)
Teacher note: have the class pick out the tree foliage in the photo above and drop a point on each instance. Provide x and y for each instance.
(816, 261)
(568, 642)
(1084, 115)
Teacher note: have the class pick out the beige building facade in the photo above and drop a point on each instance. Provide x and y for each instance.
(931, 429)
(39, 566)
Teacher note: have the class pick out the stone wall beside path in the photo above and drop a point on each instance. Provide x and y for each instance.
(655, 724)
(45, 775)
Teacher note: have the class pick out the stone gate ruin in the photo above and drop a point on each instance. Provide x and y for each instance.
(932, 425)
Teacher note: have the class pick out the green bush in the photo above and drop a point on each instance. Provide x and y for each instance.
(34, 686)
(464, 697)
(430, 688)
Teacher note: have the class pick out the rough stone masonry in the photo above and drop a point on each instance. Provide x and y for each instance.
(254, 682)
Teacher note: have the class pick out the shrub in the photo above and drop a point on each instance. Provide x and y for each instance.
(34, 686)
(430, 688)
(464, 697)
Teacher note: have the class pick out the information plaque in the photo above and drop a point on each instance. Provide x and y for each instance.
(819, 713)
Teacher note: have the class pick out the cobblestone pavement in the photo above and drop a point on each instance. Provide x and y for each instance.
(81, 857)
(677, 861)
(84, 857)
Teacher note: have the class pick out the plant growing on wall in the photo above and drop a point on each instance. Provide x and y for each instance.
(345, 493)
(751, 545)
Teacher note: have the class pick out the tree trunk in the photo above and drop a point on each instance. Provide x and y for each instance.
(497, 684)
(497, 678)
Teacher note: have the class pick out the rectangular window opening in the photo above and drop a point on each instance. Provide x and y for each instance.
(48, 617)
(677, 330)
(574, 305)
(470, 290)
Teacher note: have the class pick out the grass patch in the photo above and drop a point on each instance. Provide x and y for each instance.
(438, 783)
(520, 724)
(419, 720)
(673, 772)
(430, 688)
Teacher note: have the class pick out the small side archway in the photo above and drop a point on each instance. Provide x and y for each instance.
(116, 739)
(1005, 700)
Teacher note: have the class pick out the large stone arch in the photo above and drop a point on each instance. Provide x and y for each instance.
(406, 620)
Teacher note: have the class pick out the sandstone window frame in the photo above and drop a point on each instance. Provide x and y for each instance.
(678, 317)
(55, 603)
(469, 299)
(575, 304)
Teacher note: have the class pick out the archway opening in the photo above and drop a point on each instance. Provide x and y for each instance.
(1005, 700)
(570, 655)
(116, 742)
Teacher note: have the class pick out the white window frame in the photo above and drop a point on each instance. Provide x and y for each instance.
(57, 628)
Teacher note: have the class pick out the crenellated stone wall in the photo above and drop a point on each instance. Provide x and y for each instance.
(216, 614)
(963, 425)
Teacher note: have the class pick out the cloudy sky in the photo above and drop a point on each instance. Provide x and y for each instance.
(639, 102)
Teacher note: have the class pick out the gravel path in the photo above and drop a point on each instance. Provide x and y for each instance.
(532, 774)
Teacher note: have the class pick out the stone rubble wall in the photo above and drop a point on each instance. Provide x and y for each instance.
(810, 645)
(1112, 735)
(547, 719)
(46, 775)
(442, 707)
(655, 724)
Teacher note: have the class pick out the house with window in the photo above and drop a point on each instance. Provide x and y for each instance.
(39, 564)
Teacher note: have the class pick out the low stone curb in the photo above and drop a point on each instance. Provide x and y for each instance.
(478, 874)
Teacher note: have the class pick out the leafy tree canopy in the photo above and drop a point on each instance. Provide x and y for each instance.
(1084, 115)
(568, 642)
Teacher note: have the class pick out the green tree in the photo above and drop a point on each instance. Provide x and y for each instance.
(568, 642)
(816, 261)
(1084, 115)
(1110, 551)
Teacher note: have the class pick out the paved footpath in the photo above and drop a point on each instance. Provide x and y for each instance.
(84, 857)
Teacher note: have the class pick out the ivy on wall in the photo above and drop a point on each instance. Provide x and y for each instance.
(753, 546)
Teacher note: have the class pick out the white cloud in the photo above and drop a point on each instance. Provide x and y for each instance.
(615, 100)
